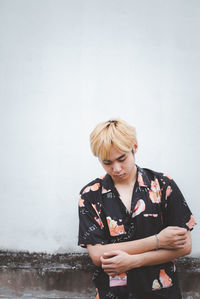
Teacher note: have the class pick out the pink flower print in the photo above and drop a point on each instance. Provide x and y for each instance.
(97, 295)
(105, 190)
(81, 202)
(156, 285)
(118, 280)
(87, 189)
(99, 221)
(95, 208)
(140, 180)
(169, 177)
(155, 193)
(150, 215)
(97, 218)
(139, 208)
(191, 223)
(168, 191)
(114, 228)
(165, 279)
(94, 187)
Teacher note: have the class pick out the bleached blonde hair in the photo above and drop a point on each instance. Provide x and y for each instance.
(114, 132)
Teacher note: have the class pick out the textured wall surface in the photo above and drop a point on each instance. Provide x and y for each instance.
(67, 65)
(68, 276)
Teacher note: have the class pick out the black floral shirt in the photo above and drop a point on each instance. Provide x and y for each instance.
(157, 203)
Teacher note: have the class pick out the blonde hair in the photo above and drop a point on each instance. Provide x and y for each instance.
(112, 132)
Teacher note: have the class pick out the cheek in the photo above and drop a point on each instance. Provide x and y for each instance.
(129, 164)
(106, 167)
(128, 167)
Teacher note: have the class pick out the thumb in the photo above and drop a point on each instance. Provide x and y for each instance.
(110, 254)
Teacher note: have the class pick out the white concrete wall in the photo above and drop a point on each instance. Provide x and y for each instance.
(66, 65)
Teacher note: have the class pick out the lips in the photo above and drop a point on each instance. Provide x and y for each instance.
(119, 175)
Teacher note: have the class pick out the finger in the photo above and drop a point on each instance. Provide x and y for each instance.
(111, 273)
(181, 246)
(181, 243)
(107, 267)
(111, 253)
(181, 240)
(178, 241)
(178, 247)
(182, 233)
(177, 227)
(106, 261)
(178, 230)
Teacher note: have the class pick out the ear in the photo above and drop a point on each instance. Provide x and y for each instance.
(135, 147)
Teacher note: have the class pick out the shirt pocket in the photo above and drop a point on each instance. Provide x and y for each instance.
(152, 220)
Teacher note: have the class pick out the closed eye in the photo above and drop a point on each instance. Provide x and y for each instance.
(121, 160)
(107, 162)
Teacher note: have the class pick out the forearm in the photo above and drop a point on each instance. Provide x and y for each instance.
(130, 247)
(115, 262)
(118, 261)
(169, 238)
(160, 256)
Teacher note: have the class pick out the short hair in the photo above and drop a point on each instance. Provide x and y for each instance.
(114, 132)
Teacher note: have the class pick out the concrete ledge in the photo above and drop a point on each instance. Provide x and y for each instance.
(41, 275)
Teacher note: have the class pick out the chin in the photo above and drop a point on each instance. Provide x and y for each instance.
(120, 177)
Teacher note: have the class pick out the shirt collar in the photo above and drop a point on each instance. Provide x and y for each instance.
(142, 179)
(107, 182)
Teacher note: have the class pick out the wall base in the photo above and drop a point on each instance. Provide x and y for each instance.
(40, 275)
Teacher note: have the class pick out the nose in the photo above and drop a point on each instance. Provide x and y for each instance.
(116, 167)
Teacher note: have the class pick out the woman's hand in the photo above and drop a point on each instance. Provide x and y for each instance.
(172, 237)
(116, 262)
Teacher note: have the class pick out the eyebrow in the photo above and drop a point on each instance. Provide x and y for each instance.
(118, 158)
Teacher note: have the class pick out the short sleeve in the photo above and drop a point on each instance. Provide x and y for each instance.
(91, 227)
(177, 212)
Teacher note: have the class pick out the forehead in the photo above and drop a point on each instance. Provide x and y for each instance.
(114, 154)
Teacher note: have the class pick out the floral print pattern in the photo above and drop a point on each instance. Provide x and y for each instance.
(154, 192)
(165, 279)
(94, 187)
(168, 192)
(81, 202)
(119, 280)
(97, 294)
(150, 215)
(156, 285)
(191, 222)
(114, 228)
(139, 208)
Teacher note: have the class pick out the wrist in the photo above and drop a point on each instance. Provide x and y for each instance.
(135, 261)
(157, 242)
